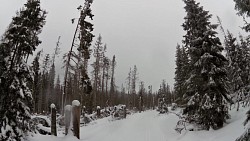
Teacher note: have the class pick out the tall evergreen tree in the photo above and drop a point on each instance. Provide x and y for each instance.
(99, 55)
(231, 48)
(106, 78)
(141, 96)
(52, 74)
(129, 81)
(44, 86)
(243, 8)
(51, 85)
(134, 78)
(58, 93)
(37, 81)
(238, 66)
(244, 54)
(207, 84)
(18, 42)
(234, 71)
(181, 73)
(85, 37)
(178, 69)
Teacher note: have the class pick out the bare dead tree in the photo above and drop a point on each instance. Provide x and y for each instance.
(112, 81)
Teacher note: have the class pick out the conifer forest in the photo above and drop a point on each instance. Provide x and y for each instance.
(75, 92)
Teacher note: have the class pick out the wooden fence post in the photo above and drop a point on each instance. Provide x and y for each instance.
(76, 112)
(67, 118)
(98, 111)
(124, 111)
(53, 120)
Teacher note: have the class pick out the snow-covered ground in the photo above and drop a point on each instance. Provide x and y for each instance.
(150, 126)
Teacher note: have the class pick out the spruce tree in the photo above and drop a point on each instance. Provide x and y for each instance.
(207, 84)
(243, 63)
(18, 42)
(105, 79)
(141, 97)
(238, 66)
(163, 97)
(243, 8)
(52, 73)
(244, 55)
(134, 78)
(178, 76)
(37, 81)
(51, 87)
(231, 48)
(181, 73)
(86, 37)
(79, 74)
(58, 93)
(44, 86)
(98, 54)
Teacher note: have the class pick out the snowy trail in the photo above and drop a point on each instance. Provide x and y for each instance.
(150, 126)
(146, 126)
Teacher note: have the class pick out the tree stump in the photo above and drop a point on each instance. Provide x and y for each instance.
(76, 113)
(53, 120)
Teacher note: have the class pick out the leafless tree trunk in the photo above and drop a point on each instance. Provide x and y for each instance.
(133, 83)
(129, 89)
(112, 83)
(76, 113)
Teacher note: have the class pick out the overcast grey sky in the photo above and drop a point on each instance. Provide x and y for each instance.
(138, 32)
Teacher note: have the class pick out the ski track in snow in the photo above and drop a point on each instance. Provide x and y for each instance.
(145, 126)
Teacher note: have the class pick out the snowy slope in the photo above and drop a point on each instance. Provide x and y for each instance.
(150, 126)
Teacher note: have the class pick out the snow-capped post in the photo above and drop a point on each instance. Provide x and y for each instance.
(98, 111)
(76, 112)
(67, 119)
(53, 120)
(83, 110)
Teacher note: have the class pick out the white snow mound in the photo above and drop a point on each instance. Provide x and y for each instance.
(76, 103)
(52, 106)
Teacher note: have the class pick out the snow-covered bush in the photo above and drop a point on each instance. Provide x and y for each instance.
(86, 119)
(174, 106)
(181, 124)
(119, 112)
(162, 108)
(40, 124)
